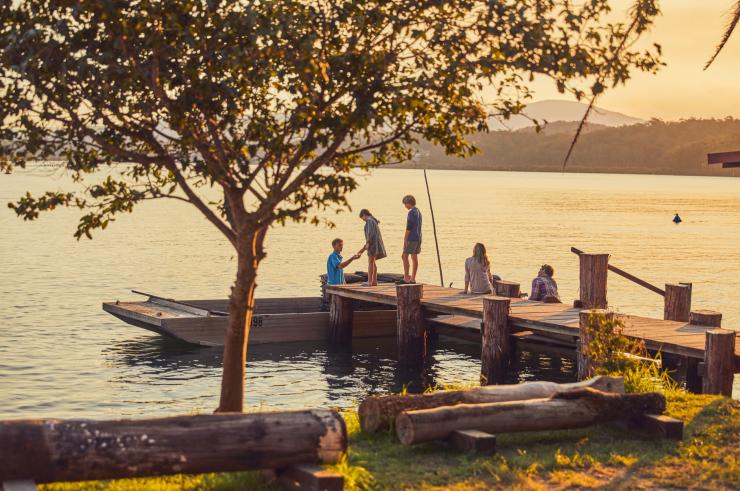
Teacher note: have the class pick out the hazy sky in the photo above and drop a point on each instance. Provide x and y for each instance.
(688, 31)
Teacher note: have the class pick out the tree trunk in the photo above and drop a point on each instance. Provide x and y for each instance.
(241, 309)
(81, 450)
(378, 412)
(573, 409)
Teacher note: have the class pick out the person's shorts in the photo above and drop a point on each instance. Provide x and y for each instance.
(412, 247)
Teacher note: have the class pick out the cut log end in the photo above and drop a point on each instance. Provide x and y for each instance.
(405, 429)
(333, 443)
(369, 413)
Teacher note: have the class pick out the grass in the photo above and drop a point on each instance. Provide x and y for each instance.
(596, 457)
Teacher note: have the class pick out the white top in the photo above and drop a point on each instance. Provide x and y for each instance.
(478, 275)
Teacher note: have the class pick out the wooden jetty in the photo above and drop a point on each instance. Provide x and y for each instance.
(417, 303)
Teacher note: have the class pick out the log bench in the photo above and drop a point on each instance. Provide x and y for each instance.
(290, 442)
(472, 427)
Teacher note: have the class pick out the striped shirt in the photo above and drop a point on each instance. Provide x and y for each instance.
(543, 287)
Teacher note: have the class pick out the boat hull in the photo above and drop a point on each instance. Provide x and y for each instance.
(276, 320)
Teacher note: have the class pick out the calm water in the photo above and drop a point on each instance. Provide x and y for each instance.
(61, 355)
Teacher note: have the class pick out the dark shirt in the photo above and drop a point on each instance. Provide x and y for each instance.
(413, 225)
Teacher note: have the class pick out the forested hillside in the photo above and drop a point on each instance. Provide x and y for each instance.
(655, 147)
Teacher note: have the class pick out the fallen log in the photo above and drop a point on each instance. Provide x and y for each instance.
(378, 412)
(573, 409)
(75, 450)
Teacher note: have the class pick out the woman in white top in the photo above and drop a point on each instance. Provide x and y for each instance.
(478, 277)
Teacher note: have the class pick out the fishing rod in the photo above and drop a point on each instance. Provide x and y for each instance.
(434, 228)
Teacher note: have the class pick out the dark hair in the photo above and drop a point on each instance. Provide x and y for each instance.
(548, 269)
(336, 241)
(409, 199)
(366, 213)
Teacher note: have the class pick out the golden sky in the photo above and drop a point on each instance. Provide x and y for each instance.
(688, 31)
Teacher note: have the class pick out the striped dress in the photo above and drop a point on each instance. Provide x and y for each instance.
(375, 248)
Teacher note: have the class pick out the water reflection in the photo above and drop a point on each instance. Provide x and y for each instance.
(294, 375)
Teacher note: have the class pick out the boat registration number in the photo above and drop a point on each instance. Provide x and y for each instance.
(257, 321)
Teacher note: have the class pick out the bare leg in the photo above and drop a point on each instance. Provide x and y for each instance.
(372, 271)
(414, 266)
(405, 259)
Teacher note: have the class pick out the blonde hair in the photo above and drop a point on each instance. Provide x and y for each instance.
(479, 253)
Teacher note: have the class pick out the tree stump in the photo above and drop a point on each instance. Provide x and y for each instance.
(506, 288)
(496, 342)
(412, 332)
(719, 362)
(677, 303)
(705, 318)
(340, 320)
(586, 365)
(593, 274)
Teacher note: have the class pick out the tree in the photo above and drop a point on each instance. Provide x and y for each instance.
(733, 18)
(273, 103)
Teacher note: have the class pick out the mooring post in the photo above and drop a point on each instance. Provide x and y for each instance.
(699, 318)
(506, 288)
(340, 320)
(412, 332)
(709, 318)
(719, 362)
(586, 365)
(677, 303)
(593, 272)
(495, 354)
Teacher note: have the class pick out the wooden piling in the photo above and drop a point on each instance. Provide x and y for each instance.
(412, 332)
(340, 320)
(705, 318)
(506, 288)
(496, 342)
(677, 303)
(693, 379)
(719, 362)
(586, 365)
(593, 273)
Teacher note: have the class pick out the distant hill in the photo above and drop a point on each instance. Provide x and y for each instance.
(555, 110)
(653, 147)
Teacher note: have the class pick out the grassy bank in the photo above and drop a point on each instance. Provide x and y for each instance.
(600, 456)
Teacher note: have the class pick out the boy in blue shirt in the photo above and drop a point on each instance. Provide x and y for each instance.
(334, 264)
(411, 239)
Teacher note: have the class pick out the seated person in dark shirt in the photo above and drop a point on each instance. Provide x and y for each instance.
(544, 287)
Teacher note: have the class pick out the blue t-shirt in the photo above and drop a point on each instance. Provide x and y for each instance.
(413, 224)
(334, 274)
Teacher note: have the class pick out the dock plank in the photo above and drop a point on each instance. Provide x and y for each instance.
(679, 338)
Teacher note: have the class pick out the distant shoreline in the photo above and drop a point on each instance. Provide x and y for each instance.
(575, 170)
(633, 172)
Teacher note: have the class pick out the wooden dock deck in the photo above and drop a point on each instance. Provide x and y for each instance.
(678, 338)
